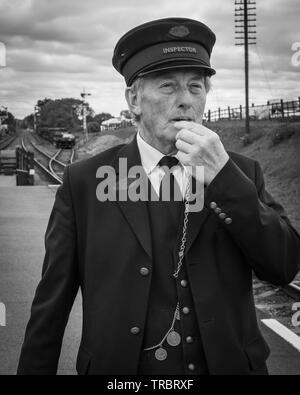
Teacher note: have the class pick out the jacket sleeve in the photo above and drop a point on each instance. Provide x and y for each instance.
(259, 225)
(56, 291)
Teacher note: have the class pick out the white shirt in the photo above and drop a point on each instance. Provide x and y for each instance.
(150, 158)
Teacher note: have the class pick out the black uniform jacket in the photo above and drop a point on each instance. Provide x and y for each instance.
(101, 247)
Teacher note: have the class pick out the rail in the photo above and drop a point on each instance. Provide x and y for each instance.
(50, 174)
(6, 143)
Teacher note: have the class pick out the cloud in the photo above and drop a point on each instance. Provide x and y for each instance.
(56, 48)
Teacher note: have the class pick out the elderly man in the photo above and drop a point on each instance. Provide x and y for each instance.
(166, 290)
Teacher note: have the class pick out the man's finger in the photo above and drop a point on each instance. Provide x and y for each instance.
(184, 146)
(194, 127)
(188, 136)
(183, 158)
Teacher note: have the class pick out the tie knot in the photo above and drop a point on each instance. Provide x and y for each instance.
(168, 161)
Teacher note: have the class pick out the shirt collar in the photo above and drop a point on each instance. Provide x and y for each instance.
(150, 156)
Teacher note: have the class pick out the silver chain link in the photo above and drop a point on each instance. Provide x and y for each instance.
(166, 335)
(184, 230)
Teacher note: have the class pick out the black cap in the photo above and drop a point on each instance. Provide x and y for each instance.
(164, 44)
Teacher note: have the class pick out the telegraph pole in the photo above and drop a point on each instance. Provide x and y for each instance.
(245, 15)
(84, 113)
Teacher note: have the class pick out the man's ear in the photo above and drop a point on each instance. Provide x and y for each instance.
(131, 96)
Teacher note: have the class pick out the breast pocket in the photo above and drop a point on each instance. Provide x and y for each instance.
(83, 363)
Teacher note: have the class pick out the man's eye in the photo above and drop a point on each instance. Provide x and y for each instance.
(196, 87)
(167, 86)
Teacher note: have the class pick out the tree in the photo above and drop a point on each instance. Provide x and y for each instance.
(103, 116)
(9, 120)
(93, 127)
(60, 113)
(28, 122)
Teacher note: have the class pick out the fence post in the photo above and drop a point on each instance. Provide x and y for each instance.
(219, 112)
(229, 113)
(268, 104)
(282, 108)
(208, 116)
(21, 164)
(17, 157)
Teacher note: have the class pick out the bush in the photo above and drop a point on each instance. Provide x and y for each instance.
(93, 127)
(285, 132)
(250, 138)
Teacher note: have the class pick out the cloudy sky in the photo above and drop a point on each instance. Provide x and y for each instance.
(57, 48)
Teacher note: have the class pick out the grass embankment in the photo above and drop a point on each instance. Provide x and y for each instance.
(276, 145)
(100, 142)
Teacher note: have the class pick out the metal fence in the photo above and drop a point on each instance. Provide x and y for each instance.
(24, 167)
(272, 110)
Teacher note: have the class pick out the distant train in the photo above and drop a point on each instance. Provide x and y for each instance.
(57, 136)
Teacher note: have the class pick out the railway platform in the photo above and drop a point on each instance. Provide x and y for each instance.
(24, 213)
(7, 181)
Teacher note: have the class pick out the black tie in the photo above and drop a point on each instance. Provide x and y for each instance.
(165, 192)
(172, 195)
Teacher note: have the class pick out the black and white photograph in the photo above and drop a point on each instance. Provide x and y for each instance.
(149, 190)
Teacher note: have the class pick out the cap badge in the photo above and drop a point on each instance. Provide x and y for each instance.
(179, 31)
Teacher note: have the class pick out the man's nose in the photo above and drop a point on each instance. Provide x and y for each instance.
(184, 98)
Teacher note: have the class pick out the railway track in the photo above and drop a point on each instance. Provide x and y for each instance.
(279, 302)
(54, 167)
(293, 290)
(7, 142)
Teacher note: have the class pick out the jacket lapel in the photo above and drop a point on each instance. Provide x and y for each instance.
(136, 213)
(196, 222)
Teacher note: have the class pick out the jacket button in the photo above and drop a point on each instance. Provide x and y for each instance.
(191, 367)
(218, 210)
(222, 216)
(135, 330)
(189, 339)
(213, 205)
(144, 272)
(186, 310)
(183, 283)
(228, 221)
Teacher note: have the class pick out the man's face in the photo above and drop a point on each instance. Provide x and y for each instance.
(166, 98)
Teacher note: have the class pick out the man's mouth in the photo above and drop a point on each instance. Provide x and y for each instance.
(182, 118)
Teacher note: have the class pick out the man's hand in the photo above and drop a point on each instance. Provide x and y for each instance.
(200, 146)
